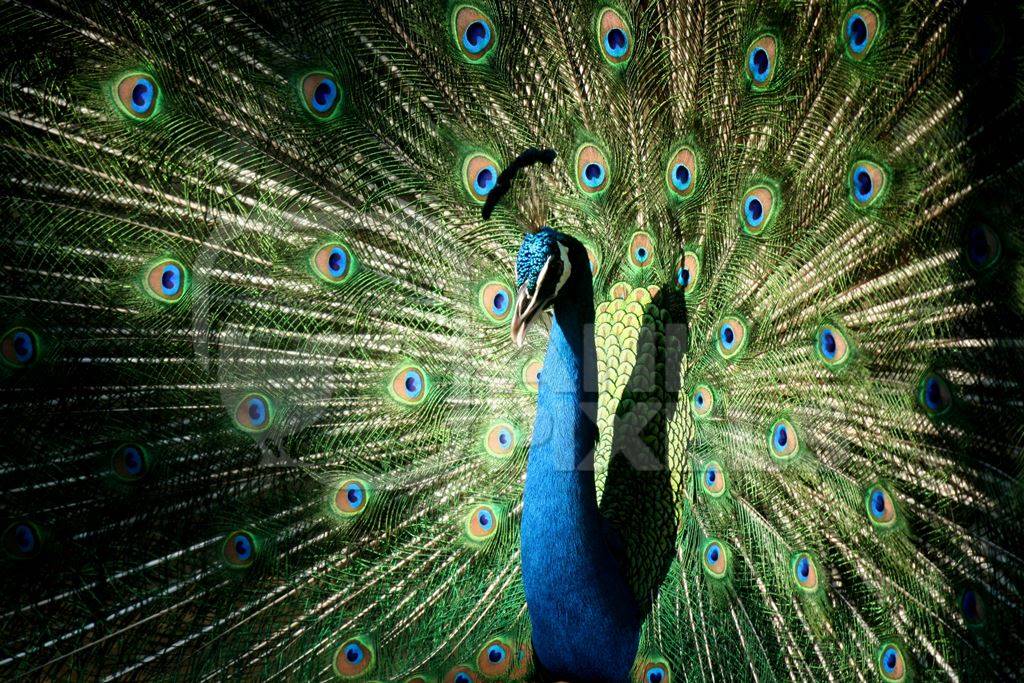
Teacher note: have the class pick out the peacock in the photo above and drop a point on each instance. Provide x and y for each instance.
(496, 340)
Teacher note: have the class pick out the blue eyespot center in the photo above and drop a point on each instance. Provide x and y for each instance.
(728, 336)
(354, 653)
(714, 553)
(170, 280)
(681, 177)
(243, 548)
(889, 660)
(655, 675)
(500, 303)
(495, 654)
(857, 31)
(828, 344)
(132, 460)
(711, 476)
(486, 179)
(863, 187)
(24, 538)
(23, 346)
(504, 438)
(616, 42)
(683, 276)
(699, 400)
(476, 36)
(324, 95)
(484, 518)
(641, 254)
(337, 262)
(142, 96)
(933, 394)
(803, 568)
(462, 678)
(760, 64)
(593, 174)
(781, 437)
(413, 384)
(754, 211)
(257, 411)
(878, 504)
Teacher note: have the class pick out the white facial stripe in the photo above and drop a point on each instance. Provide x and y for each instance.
(566, 268)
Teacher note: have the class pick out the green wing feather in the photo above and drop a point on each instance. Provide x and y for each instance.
(258, 394)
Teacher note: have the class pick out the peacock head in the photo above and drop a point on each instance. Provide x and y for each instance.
(543, 267)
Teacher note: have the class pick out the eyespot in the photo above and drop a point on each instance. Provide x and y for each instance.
(482, 522)
(681, 174)
(831, 347)
(713, 479)
(138, 96)
(474, 33)
(461, 674)
(321, 95)
(497, 301)
(880, 507)
(757, 209)
(495, 658)
(934, 395)
(702, 400)
(804, 571)
(641, 250)
(351, 497)
(688, 272)
(409, 385)
(522, 659)
(167, 280)
(501, 439)
(761, 61)
(732, 337)
(972, 608)
(254, 413)
(333, 262)
(890, 662)
(783, 440)
(715, 558)
(354, 658)
(867, 183)
(19, 347)
(240, 549)
(531, 375)
(480, 175)
(130, 462)
(859, 30)
(983, 247)
(22, 540)
(591, 170)
(615, 37)
(655, 672)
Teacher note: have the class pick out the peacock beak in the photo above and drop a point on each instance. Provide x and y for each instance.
(529, 304)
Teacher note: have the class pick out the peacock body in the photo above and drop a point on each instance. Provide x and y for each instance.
(264, 418)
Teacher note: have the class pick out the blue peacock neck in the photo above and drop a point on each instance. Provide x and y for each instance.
(583, 614)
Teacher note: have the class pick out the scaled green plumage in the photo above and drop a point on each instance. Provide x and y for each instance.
(255, 380)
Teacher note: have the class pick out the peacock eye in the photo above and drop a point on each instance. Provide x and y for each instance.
(715, 558)
(531, 375)
(934, 395)
(333, 262)
(757, 209)
(18, 347)
(732, 337)
(351, 497)
(130, 462)
(166, 280)
(474, 33)
(804, 571)
(254, 413)
(496, 300)
(22, 540)
(409, 385)
(880, 507)
(713, 479)
(867, 183)
(890, 662)
(495, 658)
(702, 401)
(761, 61)
(615, 37)
(321, 95)
(460, 674)
(138, 96)
(591, 170)
(641, 250)
(481, 522)
(353, 658)
(983, 247)
(688, 272)
(783, 439)
(240, 549)
(681, 172)
(859, 31)
(656, 672)
(832, 348)
(972, 607)
(480, 175)
(501, 439)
